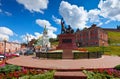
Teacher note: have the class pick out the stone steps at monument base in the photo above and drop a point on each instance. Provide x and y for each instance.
(69, 75)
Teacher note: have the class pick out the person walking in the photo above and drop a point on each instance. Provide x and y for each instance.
(46, 49)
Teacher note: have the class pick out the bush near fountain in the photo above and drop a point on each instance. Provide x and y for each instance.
(57, 54)
(87, 55)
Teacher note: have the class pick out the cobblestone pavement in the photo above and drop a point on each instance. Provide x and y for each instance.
(66, 64)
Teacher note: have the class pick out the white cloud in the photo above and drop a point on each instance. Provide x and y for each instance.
(8, 13)
(51, 34)
(5, 33)
(16, 41)
(27, 37)
(2, 37)
(108, 21)
(93, 15)
(49, 27)
(34, 5)
(42, 23)
(5, 12)
(56, 19)
(73, 15)
(100, 23)
(110, 9)
(37, 35)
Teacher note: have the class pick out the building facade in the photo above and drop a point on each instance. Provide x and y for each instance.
(93, 36)
(9, 47)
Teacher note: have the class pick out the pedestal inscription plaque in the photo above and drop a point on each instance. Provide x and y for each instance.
(67, 43)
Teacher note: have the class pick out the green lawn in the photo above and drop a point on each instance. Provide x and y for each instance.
(110, 50)
(114, 37)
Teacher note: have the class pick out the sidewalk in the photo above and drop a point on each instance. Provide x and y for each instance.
(65, 64)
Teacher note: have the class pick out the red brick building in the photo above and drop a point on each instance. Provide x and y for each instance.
(93, 36)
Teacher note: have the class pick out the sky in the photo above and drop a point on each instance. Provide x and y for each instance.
(27, 18)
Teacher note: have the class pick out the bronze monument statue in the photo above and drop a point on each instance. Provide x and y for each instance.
(69, 29)
(65, 30)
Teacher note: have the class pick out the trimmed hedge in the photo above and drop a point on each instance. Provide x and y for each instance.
(87, 55)
(54, 55)
(77, 55)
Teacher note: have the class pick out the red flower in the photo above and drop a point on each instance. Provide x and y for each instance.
(2, 75)
(109, 72)
(17, 74)
(10, 75)
(101, 70)
(33, 71)
(25, 71)
(40, 71)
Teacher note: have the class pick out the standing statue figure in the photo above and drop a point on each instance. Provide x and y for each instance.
(118, 27)
(69, 29)
(63, 29)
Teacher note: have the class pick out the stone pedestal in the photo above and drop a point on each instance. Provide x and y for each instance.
(67, 43)
(67, 54)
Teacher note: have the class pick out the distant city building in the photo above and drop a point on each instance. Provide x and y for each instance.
(93, 36)
(9, 46)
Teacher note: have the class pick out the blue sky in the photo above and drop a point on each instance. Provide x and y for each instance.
(19, 18)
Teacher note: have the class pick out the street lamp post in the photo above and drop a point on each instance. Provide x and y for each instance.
(27, 40)
(103, 46)
(5, 46)
(28, 36)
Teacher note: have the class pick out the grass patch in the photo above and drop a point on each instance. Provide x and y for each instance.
(114, 37)
(109, 50)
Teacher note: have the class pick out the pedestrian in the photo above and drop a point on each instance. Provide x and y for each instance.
(46, 49)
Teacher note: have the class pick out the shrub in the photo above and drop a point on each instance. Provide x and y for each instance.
(9, 68)
(98, 75)
(117, 67)
(47, 75)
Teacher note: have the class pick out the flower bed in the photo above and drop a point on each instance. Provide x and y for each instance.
(103, 74)
(17, 72)
(2, 63)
